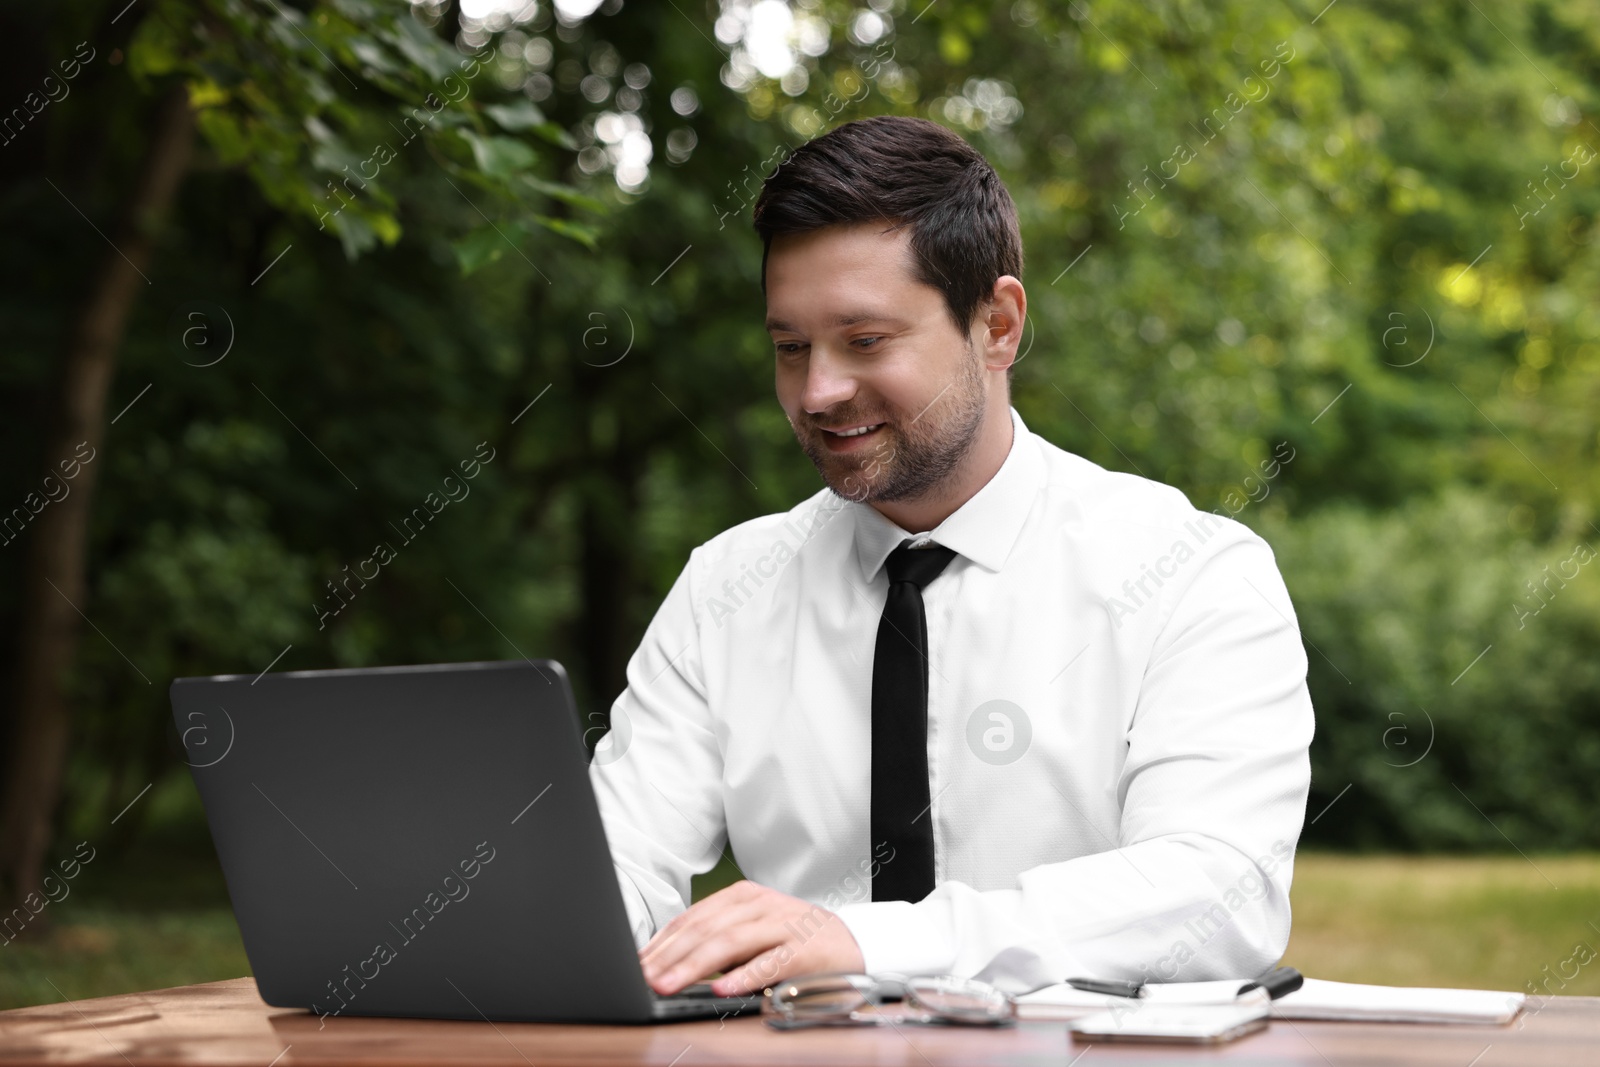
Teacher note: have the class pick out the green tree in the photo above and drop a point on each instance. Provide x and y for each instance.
(279, 94)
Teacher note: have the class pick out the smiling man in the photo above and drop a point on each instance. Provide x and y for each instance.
(978, 706)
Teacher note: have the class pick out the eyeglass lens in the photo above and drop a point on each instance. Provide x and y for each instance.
(839, 996)
(959, 999)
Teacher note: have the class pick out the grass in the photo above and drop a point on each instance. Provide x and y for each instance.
(102, 950)
(1475, 921)
(1484, 921)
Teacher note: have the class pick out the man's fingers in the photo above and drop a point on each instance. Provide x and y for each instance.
(677, 923)
(686, 929)
(756, 935)
(704, 944)
(708, 910)
(733, 944)
(736, 941)
(767, 968)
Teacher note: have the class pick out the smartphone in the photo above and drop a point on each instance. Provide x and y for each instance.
(1185, 1024)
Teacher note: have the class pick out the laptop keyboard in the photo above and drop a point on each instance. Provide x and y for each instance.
(698, 999)
(698, 991)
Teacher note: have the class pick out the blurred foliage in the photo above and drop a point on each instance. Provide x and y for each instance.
(1453, 670)
(1364, 235)
(271, 92)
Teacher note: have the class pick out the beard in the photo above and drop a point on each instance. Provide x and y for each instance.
(915, 452)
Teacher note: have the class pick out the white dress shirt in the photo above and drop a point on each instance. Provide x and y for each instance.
(1118, 725)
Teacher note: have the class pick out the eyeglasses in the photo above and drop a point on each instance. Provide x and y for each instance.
(853, 1000)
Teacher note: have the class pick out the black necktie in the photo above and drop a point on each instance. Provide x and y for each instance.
(901, 815)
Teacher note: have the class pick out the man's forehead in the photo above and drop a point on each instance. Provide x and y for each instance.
(866, 247)
(868, 278)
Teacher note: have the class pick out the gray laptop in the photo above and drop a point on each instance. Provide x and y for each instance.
(419, 841)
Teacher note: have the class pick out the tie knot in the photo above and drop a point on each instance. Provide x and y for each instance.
(918, 565)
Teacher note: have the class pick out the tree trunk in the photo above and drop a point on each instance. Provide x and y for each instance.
(54, 580)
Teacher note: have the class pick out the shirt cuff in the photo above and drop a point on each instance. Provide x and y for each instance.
(898, 937)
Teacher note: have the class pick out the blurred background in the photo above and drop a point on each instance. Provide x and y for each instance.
(273, 268)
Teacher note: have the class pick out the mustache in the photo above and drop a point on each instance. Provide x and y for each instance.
(817, 422)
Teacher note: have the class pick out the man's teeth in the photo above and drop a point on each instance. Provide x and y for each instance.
(858, 431)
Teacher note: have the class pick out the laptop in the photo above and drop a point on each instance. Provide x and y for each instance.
(419, 841)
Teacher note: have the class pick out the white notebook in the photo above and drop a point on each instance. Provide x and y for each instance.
(1316, 999)
(1188, 1024)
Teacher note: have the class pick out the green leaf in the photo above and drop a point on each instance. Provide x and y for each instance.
(332, 154)
(481, 247)
(556, 136)
(522, 115)
(222, 131)
(386, 226)
(420, 46)
(205, 93)
(356, 10)
(584, 235)
(156, 49)
(355, 234)
(374, 56)
(499, 157)
(565, 193)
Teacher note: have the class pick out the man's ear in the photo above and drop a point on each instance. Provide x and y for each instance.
(1004, 315)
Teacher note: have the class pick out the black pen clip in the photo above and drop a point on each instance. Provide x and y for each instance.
(1111, 987)
(1276, 982)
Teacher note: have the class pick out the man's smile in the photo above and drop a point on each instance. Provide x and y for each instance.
(850, 438)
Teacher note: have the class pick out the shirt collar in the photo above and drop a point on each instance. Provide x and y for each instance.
(984, 529)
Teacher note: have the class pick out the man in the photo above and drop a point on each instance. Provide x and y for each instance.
(979, 706)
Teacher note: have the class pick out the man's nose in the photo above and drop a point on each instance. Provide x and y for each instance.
(828, 382)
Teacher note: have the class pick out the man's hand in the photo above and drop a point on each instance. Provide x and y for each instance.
(756, 935)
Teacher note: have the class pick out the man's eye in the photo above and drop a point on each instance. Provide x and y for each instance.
(870, 341)
(788, 348)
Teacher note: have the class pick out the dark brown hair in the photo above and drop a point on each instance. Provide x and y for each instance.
(906, 171)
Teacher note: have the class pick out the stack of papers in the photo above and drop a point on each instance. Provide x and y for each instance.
(1316, 999)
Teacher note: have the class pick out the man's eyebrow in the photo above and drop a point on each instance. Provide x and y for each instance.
(849, 318)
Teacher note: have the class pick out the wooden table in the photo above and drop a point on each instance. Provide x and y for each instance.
(227, 1023)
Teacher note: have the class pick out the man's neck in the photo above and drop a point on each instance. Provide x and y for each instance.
(980, 464)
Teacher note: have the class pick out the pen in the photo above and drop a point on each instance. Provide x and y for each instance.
(1111, 987)
(1277, 982)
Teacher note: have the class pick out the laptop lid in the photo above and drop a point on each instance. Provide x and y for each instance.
(414, 841)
